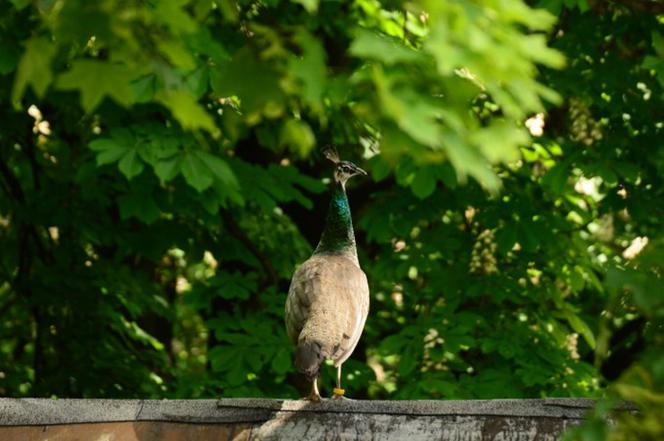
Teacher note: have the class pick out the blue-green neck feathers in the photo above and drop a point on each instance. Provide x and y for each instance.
(338, 235)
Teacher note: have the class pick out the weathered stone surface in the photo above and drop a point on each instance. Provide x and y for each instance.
(127, 431)
(259, 419)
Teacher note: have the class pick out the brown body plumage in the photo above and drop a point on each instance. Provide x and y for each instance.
(328, 299)
(328, 303)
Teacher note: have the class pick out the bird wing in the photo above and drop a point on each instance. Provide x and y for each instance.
(328, 302)
(298, 303)
(357, 289)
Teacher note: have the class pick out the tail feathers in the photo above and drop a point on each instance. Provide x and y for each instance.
(308, 358)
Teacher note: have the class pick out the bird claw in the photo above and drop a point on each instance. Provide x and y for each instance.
(314, 398)
(338, 397)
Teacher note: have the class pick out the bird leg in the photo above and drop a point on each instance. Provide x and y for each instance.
(314, 395)
(338, 391)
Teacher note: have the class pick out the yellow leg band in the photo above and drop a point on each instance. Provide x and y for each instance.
(339, 391)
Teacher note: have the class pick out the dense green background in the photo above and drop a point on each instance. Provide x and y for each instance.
(160, 180)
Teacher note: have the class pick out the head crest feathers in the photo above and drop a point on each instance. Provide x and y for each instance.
(331, 153)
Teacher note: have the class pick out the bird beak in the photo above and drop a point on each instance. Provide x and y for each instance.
(359, 171)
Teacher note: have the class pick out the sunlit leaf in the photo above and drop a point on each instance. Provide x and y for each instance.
(371, 45)
(298, 135)
(187, 111)
(310, 5)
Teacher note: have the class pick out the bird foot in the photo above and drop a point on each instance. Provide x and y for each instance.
(313, 397)
(339, 394)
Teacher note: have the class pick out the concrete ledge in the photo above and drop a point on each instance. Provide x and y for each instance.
(32, 411)
(264, 419)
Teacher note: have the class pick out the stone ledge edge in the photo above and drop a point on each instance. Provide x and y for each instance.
(35, 411)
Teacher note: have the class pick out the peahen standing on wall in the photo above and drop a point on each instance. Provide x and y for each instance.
(328, 299)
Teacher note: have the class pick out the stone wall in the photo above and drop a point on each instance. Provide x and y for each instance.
(260, 419)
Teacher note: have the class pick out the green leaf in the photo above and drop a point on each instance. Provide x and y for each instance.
(627, 170)
(500, 141)
(144, 88)
(233, 285)
(298, 135)
(467, 160)
(583, 5)
(168, 169)
(196, 172)
(446, 173)
(177, 54)
(96, 80)
(197, 82)
(240, 76)
(174, 15)
(554, 6)
(131, 165)
(528, 236)
(20, 4)
(111, 149)
(139, 205)
(371, 45)
(143, 336)
(108, 150)
(203, 42)
(645, 286)
(187, 111)
(414, 113)
(506, 237)
(310, 5)
(380, 169)
(556, 178)
(310, 68)
(574, 278)
(658, 43)
(580, 326)
(228, 193)
(281, 363)
(408, 361)
(424, 182)
(34, 68)
(656, 64)
(219, 168)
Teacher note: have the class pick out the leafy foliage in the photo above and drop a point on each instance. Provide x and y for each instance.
(160, 181)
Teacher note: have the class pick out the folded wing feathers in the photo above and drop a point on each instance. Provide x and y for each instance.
(327, 304)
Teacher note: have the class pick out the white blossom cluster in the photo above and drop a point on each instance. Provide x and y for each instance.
(585, 129)
(483, 256)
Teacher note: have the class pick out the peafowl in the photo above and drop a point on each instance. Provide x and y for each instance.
(328, 299)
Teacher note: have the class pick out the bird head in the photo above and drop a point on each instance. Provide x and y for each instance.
(343, 169)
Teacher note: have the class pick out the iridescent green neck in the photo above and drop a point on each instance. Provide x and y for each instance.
(338, 235)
